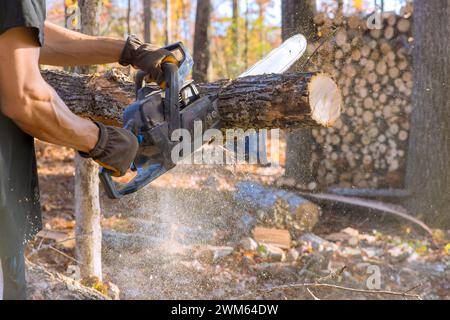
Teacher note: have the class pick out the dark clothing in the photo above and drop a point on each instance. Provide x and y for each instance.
(20, 215)
(23, 13)
(14, 283)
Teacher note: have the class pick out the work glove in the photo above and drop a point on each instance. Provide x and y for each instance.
(115, 150)
(146, 57)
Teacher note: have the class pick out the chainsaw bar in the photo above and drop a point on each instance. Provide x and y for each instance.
(280, 59)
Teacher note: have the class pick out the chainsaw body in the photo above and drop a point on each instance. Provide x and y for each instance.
(153, 118)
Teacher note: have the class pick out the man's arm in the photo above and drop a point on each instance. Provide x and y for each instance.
(68, 48)
(30, 102)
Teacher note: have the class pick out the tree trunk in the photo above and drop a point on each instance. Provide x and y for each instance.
(147, 4)
(201, 41)
(299, 155)
(168, 22)
(428, 176)
(340, 7)
(268, 101)
(87, 213)
(261, 12)
(129, 17)
(278, 208)
(235, 65)
(297, 17)
(246, 33)
(87, 203)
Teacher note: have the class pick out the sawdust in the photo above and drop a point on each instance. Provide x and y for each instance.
(189, 242)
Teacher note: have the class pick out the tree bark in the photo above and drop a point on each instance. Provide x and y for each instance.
(261, 14)
(279, 208)
(87, 200)
(297, 17)
(235, 28)
(88, 218)
(128, 17)
(201, 41)
(299, 152)
(168, 22)
(427, 175)
(235, 63)
(147, 4)
(246, 33)
(46, 285)
(268, 101)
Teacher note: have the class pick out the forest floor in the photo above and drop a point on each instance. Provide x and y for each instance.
(180, 240)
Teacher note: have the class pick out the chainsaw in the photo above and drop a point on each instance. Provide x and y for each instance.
(157, 113)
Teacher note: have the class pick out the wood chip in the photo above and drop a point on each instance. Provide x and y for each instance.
(276, 237)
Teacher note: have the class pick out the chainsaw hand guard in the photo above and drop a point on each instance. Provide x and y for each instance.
(149, 135)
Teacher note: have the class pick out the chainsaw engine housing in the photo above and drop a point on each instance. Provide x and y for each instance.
(153, 118)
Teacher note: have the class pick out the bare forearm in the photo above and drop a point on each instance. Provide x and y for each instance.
(47, 118)
(68, 48)
(30, 102)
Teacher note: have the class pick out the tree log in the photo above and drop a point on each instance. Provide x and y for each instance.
(269, 101)
(45, 285)
(278, 208)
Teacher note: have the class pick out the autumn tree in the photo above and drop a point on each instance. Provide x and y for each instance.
(147, 7)
(297, 17)
(235, 39)
(128, 17)
(201, 41)
(262, 4)
(246, 33)
(428, 174)
(168, 22)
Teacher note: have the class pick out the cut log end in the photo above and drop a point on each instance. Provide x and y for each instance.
(325, 100)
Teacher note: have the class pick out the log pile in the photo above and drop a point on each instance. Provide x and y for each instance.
(367, 147)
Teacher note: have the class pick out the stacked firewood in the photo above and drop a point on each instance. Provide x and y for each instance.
(367, 147)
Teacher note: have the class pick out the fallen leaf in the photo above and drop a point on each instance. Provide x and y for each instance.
(421, 249)
(438, 234)
(447, 249)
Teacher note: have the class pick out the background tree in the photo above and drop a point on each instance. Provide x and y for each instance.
(297, 17)
(147, 7)
(129, 17)
(168, 22)
(201, 41)
(235, 39)
(429, 147)
(262, 6)
(87, 204)
(246, 33)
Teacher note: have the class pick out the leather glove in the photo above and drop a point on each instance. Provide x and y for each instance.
(115, 150)
(147, 57)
